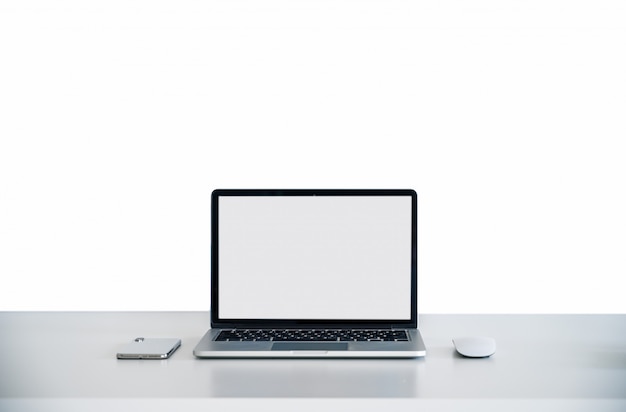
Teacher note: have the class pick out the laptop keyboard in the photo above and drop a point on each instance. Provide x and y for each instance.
(312, 335)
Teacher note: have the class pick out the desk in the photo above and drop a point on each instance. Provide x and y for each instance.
(66, 361)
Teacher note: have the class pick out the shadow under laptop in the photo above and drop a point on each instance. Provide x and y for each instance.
(396, 378)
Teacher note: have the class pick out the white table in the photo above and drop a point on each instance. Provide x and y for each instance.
(66, 361)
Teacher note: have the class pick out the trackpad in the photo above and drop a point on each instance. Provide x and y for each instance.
(309, 346)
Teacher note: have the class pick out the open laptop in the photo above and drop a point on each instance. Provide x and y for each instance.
(313, 273)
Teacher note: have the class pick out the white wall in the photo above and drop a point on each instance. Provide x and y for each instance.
(117, 119)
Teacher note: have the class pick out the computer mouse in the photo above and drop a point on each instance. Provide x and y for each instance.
(475, 347)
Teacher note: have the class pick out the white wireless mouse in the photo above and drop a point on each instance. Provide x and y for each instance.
(475, 347)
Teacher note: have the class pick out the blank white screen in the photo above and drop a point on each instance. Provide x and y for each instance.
(315, 257)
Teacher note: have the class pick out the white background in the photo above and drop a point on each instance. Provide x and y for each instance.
(117, 119)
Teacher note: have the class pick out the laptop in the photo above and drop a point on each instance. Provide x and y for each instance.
(313, 273)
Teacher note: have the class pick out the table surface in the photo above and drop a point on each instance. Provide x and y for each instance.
(56, 358)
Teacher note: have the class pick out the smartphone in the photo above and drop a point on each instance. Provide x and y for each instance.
(149, 348)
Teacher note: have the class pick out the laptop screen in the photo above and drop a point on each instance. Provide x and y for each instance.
(314, 255)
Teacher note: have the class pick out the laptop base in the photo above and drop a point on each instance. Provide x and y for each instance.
(209, 348)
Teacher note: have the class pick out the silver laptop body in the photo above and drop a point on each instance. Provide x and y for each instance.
(313, 273)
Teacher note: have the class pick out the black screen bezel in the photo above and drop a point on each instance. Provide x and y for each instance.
(217, 322)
